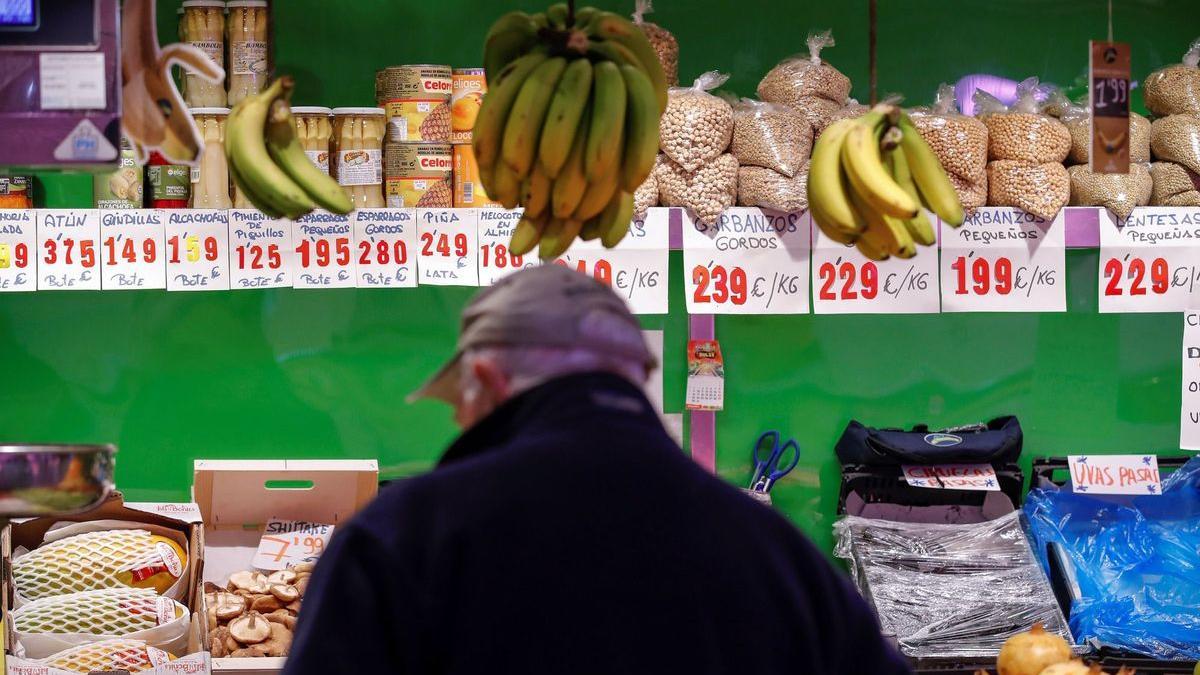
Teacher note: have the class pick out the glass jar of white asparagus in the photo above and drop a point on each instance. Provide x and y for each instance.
(314, 127)
(248, 48)
(210, 177)
(203, 27)
(357, 151)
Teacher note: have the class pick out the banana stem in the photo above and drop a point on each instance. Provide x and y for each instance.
(891, 138)
(570, 13)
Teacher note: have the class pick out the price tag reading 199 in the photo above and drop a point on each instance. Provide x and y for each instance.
(1003, 260)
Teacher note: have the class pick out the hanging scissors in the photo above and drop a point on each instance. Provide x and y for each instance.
(770, 463)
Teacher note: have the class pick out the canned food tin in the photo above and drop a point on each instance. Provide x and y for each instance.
(419, 81)
(418, 174)
(468, 86)
(422, 119)
(468, 189)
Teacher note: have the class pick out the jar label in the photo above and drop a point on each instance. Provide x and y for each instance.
(169, 182)
(360, 167)
(320, 158)
(214, 48)
(248, 58)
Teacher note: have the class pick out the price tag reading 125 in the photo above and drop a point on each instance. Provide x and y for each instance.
(68, 249)
(636, 269)
(495, 232)
(289, 542)
(18, 250)
(260, 250)
(197, 250)
(385, 242)
(448, 240)
(131, 243)
(1003, 260)
(1152, 264)
(847, 282)
(750, 261)
(324, 245)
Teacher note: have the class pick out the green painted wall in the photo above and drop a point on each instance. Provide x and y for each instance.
(172, 377)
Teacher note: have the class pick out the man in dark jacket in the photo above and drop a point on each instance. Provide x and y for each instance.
(565, 532)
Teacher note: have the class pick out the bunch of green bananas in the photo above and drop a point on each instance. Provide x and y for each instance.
(569, 128)
(269, 165)
(868, 180)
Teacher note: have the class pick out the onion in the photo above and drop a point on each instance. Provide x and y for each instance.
(1032, 652)
(1075, 667)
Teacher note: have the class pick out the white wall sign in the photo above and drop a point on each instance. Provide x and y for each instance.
(1004, 260)
(1189, 417)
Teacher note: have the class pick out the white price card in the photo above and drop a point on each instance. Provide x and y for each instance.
(751, 261)
(260, 250)
(385, 246)
(324, 245)
(1004, 260)
(1115, 474)
(18, 250)
(847, 282)
(131, 245)
(68, 249)
(636, 268)
(1152, 262)
(288, 542)
(1189, 416)
(495, 231)
(197, 250)
(952, 476)
(447, 241)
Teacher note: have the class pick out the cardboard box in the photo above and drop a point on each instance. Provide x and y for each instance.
(29, 534)
(237, 498)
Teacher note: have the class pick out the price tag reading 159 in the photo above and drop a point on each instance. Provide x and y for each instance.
(197, 250)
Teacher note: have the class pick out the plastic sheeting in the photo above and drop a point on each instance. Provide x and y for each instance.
(949, 590)
(1133, 564)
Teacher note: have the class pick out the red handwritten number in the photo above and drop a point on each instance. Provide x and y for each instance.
(442, 245)
(867, 277)
(1136, 272)
(870, 281)
(51, 252)
(253, 254)
(498, 255)
(396, 253)
(727, 285)
(827, 272)
(1112, 272)
(20, 256)
(986, 276)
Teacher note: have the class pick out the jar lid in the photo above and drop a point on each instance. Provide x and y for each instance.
(210, 111)
(359, 111)
(310, 110)
(202, 3)
(246, 3)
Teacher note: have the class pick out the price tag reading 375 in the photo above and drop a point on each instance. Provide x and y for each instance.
(1004, 260)
(288, 542)
(1152, 264)
(750, 261)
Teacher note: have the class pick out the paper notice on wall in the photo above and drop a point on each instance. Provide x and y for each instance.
(1115, 474)
(952, 477)
(1189, 420)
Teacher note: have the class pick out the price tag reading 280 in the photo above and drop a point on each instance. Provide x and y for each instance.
(847, 282)
(324, 244)
(751, 261)
(68, 249)
(447, 242)
(1151, 264)
(1003, 260)
(385, 247)
(260, 250)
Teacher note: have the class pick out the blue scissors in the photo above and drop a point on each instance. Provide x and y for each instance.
(768, 457)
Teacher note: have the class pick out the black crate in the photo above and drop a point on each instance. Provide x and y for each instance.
(1056, 470)
(886, 485)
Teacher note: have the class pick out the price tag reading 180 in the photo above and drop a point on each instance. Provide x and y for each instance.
(636, 269)
(447, 241)
(197, 250)
(68, 249)
(1152, 264)
(750, 261)
(495, 232)
(18, 250)
(847, 282)
(324, 244)
(131, 243)
(260, 250)
(1003, 260)
(384, 245)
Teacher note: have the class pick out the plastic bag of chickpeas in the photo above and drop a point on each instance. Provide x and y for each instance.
(1022, 132)
(770, 135)
(1176, 88)
(697, 126)
(960, 143)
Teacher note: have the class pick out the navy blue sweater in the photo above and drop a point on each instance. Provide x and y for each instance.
(567, 534)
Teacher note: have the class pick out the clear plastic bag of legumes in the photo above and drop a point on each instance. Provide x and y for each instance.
(664, 43)
(798, 79)
(770, 135)
(1176, 138)
(1176, 88)
(1022, 131)
(1118, 192)
(697, 126)
(1078, 120)
(960, 142)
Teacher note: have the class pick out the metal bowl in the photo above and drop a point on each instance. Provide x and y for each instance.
(46, 480)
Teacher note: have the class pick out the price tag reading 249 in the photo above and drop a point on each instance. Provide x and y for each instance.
(260, 250)
(751, 261)
(447, 241)
(324, 245)
(1003, 260)
(847, 282)
(1152, 264)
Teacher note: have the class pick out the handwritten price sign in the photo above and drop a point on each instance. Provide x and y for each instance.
(385, 241)
(952, 477)
(495, 231)
(1115, 474)
(288, 542)
(68, 249)
(847, 282)
(197, 250)
(1003, 260)
(448, 243)
(636, 269)
(1152, 264)
(750, 261)
(324, 245)
(131, 242)
(18, 250)
(260, 250)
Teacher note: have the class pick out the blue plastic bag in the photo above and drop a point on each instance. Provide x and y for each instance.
(1135, 566)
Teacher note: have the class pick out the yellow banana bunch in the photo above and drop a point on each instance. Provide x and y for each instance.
(870, 181)
(569, 129)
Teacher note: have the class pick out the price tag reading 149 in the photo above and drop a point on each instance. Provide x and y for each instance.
(750, 261)
(289, 542)
(1152, 264)
(131, 243)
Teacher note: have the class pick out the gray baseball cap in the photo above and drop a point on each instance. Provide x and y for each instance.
(543, 306)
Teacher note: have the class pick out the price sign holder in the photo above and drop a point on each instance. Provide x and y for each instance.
(495, 232)
(131, 249)
(636, 269)
(18, 250)
(847, 282)
(260, 250)
(197, 250)
(1109, 68)
(448, 243)
(751, 261)
(385, 243)
(68, 249)
(1004, 260)
(1151, 262)
(324, 247)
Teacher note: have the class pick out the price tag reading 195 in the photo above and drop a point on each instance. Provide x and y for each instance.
(1152, 264)
(131, 250)
(495, 232)
(447, 241)
(847, 282)
(68, 249)
(750, 261)
(197, 250)
(18, 250)
(324, 245)
(260, 250)
(384, 240)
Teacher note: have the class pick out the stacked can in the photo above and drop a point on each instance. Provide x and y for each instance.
(469, 85)
(417, 154)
